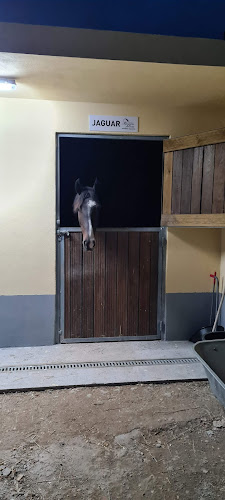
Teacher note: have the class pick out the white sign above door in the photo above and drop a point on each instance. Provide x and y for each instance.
(101, 123)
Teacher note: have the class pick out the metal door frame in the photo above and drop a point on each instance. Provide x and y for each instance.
(61, 232)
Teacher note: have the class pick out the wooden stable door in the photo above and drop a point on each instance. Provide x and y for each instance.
(112, 291)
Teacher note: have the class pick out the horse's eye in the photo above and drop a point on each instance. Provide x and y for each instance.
(87, 195)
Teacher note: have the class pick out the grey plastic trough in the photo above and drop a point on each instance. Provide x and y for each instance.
(211, 353)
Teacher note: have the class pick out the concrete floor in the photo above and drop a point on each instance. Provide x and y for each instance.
(96, 352)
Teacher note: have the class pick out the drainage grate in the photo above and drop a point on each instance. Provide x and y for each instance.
(99, 364)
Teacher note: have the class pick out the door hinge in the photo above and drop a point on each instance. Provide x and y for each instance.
(161, 326)
(59, 234)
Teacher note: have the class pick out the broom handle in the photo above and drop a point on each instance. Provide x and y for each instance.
(218, 312)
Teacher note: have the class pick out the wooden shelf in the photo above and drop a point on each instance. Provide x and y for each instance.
(193, 220)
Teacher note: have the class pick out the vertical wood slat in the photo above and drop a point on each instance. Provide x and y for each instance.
(88, 295)
(122, 283)
(67, 268)
(111, 285)
(185, 205)
(99, 286)
(207, 179)
(76, 284)
(153, 283)
(167, 182)
(197, 181)
(219, 179)
(133, 282)
(177, 179)
(144, 284)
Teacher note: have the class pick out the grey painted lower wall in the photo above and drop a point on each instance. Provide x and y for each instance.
(186, 313)
(27, 320)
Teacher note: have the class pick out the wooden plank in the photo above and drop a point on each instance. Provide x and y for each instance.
(67, 268)
(197, 181)
(99, 285)
(207, 179)
(122, 283)
(177, 179)
(186, 185)
(133, 282)
(219, 180)
(88, 295)
(167, 182)
(153, 306)
(144, 284)
(76, 284)
(193, 141)
(111, 329)
(193, 220)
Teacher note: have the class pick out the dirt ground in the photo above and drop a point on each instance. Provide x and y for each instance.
(158, 442)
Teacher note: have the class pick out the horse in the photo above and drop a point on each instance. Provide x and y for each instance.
(86, 206)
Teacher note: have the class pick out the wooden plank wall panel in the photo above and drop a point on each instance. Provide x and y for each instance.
(88, 294)
(177, 179)
(99, 285)
(219, 179)
(167, 182)
(185, 205)
(207, 180)
(75, 284)
(153, 281)
(111, 285)
(144, 283)
(197, 181)
(133, 282)
(198, 184)
(122, 283)
(67, 269)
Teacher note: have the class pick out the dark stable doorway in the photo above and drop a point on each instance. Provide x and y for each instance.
(130, 179)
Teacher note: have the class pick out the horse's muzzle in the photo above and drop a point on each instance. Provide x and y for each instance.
(89, 245)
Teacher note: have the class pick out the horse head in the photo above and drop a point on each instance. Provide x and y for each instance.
(86, 205)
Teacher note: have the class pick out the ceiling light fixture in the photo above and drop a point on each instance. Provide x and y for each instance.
(6, 84)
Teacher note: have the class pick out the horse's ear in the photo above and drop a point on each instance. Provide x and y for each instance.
(96, 183)
(78, 187)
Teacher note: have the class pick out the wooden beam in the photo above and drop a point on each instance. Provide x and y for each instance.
(167, 182)
(193, 141)
(193, 220)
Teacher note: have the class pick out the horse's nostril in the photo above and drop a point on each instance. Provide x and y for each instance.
(88, 244)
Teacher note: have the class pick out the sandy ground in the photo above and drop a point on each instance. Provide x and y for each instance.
(158, 442)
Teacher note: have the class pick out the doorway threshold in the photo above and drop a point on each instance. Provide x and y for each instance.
(85, 364)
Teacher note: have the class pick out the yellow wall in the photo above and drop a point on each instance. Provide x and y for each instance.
(193, 254)
(27, 198)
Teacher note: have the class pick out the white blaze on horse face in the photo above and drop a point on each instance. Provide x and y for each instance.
(90, 205)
